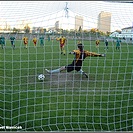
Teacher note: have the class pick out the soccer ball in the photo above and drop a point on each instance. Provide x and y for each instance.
(41, 77)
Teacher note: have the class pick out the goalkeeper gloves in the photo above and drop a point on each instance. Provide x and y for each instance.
(71, 52)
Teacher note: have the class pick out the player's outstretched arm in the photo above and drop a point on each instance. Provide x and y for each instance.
(95, 54)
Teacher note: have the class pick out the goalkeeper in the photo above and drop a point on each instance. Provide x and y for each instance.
(80, 55)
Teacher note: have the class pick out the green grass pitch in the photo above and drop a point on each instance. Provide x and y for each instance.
(66, 101)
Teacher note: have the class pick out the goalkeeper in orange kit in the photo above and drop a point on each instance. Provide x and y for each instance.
(79, 55)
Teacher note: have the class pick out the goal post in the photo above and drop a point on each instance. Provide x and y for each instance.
(66, 101)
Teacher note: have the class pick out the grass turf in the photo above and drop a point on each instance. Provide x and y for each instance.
(66, 102)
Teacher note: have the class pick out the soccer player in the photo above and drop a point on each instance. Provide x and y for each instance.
(62, 40)
(97, 43)
(2, 41)
(41, 41)
(106, 44)
(12, 39)
(118, 42)
(79, 55)
(48, 37)
(34, 41)
(25, 40)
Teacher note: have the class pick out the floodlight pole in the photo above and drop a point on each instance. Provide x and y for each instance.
(66, 10)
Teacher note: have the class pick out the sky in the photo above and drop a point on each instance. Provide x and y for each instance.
(46, 13)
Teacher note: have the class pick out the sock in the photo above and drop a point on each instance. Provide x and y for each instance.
(64, 52)
(55, 71)
(61, 51)
(81, 71)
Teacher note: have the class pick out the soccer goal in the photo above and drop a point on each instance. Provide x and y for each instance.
(97, 97)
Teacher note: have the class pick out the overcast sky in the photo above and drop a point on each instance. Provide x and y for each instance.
(46, 13)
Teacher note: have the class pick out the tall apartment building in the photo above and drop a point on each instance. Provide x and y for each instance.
(56, 25)
(78, 22)
(104, 22)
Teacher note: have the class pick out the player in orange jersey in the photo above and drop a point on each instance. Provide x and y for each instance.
(25, 40)
(97, 43)
(34, 41)
(62, 44)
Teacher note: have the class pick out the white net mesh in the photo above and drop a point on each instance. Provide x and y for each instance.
(64, 101)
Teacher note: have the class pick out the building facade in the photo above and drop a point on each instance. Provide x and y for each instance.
(78, 22)
(126, 33)
(104, 22)
(56, 25)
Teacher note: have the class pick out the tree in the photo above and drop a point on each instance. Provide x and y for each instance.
(108, 33)
(15, 30)
(94, 30)
(41, 30)
(44, 30)
(27, 28)
(80, 29)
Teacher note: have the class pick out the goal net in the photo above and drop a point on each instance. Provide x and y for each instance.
(66, 101)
